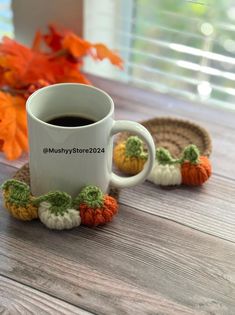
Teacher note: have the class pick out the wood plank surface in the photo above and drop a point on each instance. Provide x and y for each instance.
(119, 269)
(18, 299)
(138, 264)
(168, 252)
(123, 268)
(210, 208)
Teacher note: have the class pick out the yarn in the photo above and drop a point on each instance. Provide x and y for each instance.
(165, 175)
(134, 147)
(68, 219)
(129, 156)
(56, 212)
(95, 208)
(166, 171)
(191, 153)
(91, 195)
(195, 169)
(18, 200)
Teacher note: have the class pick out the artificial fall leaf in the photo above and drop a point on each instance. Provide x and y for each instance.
(75, 45)
(13, 58)
(103, 52)
(24, 70)
(63, 68)
(55, 37)
(13, 130)
(35, 86)
(37, 41)
(1, 144)
(75, 77)
(22, 65)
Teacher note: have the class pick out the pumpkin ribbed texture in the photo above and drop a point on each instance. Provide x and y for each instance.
(24, 213)
(56, 209)
(129, 165)
(98, 216)
(196, 174)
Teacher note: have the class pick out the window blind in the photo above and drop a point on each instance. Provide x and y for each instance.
(185, 48)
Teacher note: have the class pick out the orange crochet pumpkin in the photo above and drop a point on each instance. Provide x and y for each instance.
(95, 208)
(195, 169)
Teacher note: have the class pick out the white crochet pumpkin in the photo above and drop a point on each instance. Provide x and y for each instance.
(165, 175)
(166, 170)
(66, 220)
(56, 212)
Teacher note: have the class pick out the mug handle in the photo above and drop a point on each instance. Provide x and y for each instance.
(143, 133)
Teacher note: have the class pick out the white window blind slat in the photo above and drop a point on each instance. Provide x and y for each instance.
(179, 47)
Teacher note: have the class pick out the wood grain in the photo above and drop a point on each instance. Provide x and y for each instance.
(16, 163)
(210, 208)
(18, 299)
(152, 259)
(139, 264)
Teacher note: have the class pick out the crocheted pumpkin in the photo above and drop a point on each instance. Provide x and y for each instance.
(195, 169)
(18, 200)
(129, 156)
(166, 171)
(55, 211)
(95, 207)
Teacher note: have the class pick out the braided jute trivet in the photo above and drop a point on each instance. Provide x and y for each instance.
(23, 174)
(175, 134)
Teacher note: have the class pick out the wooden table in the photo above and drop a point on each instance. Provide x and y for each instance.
(169, 251)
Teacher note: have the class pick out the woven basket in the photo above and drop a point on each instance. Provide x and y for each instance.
(174, 134)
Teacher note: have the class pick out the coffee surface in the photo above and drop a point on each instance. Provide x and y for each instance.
(70, 121)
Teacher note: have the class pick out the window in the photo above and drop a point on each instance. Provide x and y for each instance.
(185, 48)
(6, 26)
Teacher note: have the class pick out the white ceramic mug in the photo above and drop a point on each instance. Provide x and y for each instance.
(59, 159)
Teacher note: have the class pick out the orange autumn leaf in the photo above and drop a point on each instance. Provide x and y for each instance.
(13, 128)
(13, 59)
(67, 71)
(75, 45)
(37, 41)
(23, 70)
(73, 76)
(103, 52)
(55, 37)
(1, 144)
(24, 66)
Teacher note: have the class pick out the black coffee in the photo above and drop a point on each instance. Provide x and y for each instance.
(70, 121)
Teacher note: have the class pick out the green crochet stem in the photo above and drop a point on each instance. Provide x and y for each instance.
(134, 148)
(19, 192)
(191, 154)
(60, 201)
(90, 195)
(164, 157)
